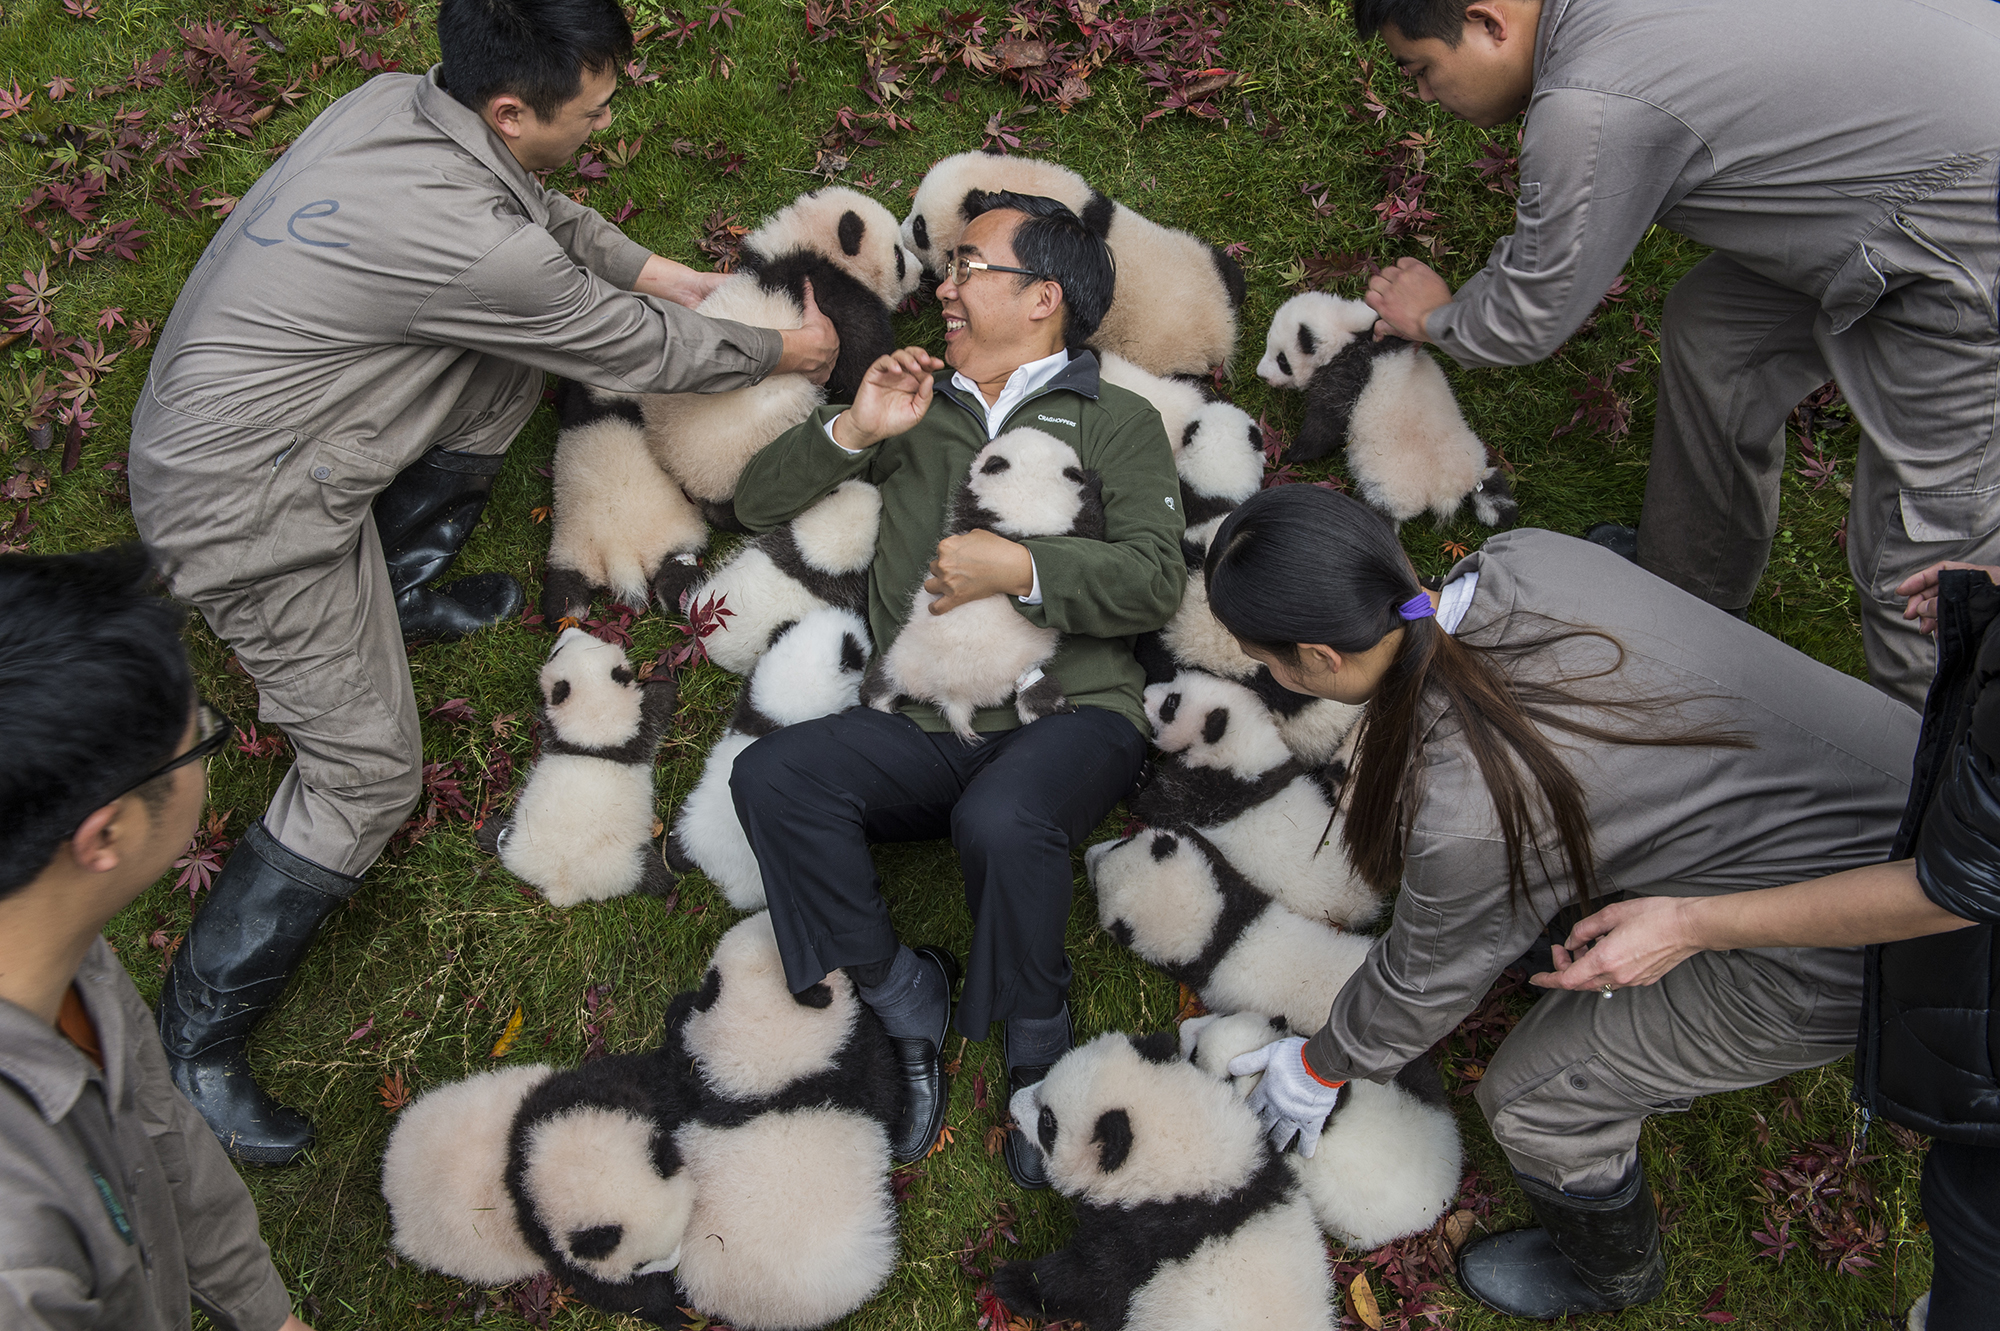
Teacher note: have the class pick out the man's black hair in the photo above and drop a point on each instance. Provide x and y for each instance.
(95, 692)
(1056, 244)
(538, 50)
(1415, 19)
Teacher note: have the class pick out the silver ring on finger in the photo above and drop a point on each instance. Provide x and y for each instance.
(1604, 991)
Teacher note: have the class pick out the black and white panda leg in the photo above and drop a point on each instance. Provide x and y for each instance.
(656, 878)
(1039, 696)
(876, 690)
(566, 594)
(1493, 501)
(677, 572)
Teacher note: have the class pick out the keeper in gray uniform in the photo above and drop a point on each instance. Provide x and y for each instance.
(326, 413)
(1841, 158)
(1554, 728)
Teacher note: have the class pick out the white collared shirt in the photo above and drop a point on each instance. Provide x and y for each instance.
(1456, 599)
(1021, 384)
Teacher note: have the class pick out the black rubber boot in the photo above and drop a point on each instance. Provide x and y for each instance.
(1591, 1255)
(1618, 539)
(927, 1091)
(1025, 1162)
(262, 911)
(425, 518)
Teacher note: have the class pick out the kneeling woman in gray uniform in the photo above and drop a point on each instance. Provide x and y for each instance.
(1554, 728)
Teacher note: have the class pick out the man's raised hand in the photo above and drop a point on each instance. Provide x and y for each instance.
(812, 347)
(893, 397)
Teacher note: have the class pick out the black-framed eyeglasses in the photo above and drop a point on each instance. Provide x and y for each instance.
(962, 268)
(211, 731)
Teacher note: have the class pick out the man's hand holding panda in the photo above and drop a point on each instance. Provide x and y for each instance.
(1292, 1100)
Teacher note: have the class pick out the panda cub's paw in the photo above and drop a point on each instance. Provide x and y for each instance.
(1042, 696)
(1019, 1286)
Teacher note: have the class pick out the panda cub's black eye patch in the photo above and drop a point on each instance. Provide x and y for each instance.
(597, 1242)
(994, 466)
(1213, 729)
(620, 675)
(1165, 847)
(1284, 365)
(921, 233)
(1306, 340)
(900, 261)
(852, 657)
(1045, 1128)
(1113, 1136)
(559, 694)
(1170, 707)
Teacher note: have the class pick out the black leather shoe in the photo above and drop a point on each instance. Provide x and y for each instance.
(1617, 538)
(1591, 1255)
(927, 1092)
(1025, 1164)
(261, 914)
(424, 518)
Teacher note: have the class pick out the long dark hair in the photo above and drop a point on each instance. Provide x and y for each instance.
(1302, 564)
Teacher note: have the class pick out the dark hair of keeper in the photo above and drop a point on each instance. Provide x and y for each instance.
(538, 50)
(1415, 19)
(1299, 564)
(1054, 242)
(95, 692)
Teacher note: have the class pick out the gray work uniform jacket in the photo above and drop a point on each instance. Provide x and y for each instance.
(116, 1203)
(1788, 134)
(1822, 790)
(334, 324)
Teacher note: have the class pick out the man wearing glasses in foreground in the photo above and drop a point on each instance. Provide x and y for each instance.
(121, 1208)
(1026, 291)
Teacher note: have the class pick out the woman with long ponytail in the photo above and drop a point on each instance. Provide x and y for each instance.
(1552, 729)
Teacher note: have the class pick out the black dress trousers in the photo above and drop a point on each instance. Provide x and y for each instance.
(812, 797)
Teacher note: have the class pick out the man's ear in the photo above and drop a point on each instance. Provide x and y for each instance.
(97, 845)
(1048, 300)
(1489, 20)
(507, 113)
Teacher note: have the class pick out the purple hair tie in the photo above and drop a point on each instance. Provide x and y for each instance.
(1417, 607)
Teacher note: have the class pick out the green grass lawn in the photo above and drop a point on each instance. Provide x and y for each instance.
(413, 981)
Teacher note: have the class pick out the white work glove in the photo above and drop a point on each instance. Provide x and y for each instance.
(1291, 1101)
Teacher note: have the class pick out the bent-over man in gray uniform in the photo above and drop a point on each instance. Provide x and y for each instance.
(1841, 157)
(324, 418)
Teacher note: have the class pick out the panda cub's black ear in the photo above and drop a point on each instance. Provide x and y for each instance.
(921, 233)
(559, 694)
(994, 466)
(595, 1243)
(620, 675)
(1165, 845)
(1113, 1136)
(852, 658)
(850, 231)
(1216, 726)
(711, 989)
(1159, 1047)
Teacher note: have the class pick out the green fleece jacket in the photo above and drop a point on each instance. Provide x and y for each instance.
(1099, 594)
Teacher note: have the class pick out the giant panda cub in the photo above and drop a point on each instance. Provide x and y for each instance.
(845, 244)
(813, 669)
(582, 827)
(1219, 455)
(619, 523)
(817, 560)
(788, 1139)
(1174, 900)
(1025, 483)
(1230, 776)
(1408, 446)
(1175, 298)
(1185, 1216)
(1388, 1162)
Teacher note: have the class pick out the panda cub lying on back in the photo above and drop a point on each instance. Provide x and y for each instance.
(1186, 1219)
(1025, 483)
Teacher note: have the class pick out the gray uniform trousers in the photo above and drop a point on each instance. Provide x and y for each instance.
(303, 597)
(1572, 1084)
(1922, 374)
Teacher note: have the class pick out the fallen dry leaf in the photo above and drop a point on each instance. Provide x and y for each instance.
(1361, 1298)
(996, 1137)
(945, 1136)
(508, 1036)
(394, 1091)
(1191, 1006)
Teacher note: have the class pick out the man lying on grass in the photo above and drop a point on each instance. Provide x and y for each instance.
(1025, 292)
(120, 1207)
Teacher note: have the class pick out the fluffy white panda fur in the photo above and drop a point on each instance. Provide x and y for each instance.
(1176, 400)
(1185, 1217)
(740, 1170)
(582, 827)
(1174, 303)
(813, 669)
(845, 244)
(1171, 898)
(1024, 483)
(443, 1177)
(1408, 446)
(619, 523)
(817, 560)
(1388, 1162)
(1229, 775)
